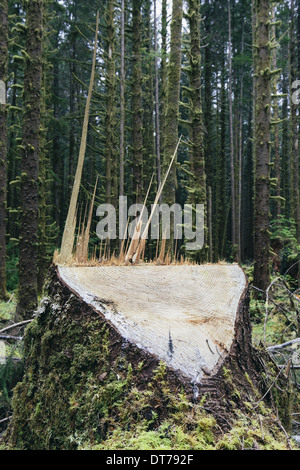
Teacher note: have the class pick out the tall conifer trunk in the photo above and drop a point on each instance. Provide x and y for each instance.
(3, 142)
(110, 119)
(163, 73)
(232, 159)
(122, 101)
(296, 190)
(262, 145)
(137, 103)
(197, 160)
(172, 104)
(157, 111)
(28, 289)
(276, 119)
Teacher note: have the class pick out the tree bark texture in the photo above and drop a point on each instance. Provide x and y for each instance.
(110, 120)
(262, 139)
(3, 142)
(27, 300)
(172, 104)
(137, 103)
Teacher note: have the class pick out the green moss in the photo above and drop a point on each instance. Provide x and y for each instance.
(252, 434)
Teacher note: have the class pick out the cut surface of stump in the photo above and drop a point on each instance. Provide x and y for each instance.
(184, 315)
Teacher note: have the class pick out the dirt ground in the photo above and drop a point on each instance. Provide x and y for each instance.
(185, 315)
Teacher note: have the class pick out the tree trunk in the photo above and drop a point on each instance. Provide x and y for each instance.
(294, 131)
(285, 158)
(197, 158)
(207, 116)
(262, 145)
(122, 101)
(28, 288)
(240, 164)
(276, 122)
(148, 69)
(296, 189)
(194, 331)
(157, 110)
(221, 194)
(3, 143)
(110, 119)
(172, 104)
(232, 159)
(163, 74)
(137, 103)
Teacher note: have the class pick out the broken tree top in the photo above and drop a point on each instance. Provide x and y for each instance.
(184, 315)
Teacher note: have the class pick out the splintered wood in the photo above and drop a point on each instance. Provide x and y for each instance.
(184, 315)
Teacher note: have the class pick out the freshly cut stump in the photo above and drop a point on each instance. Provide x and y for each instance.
(190, 317)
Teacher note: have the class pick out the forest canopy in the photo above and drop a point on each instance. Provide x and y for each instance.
(220, 74)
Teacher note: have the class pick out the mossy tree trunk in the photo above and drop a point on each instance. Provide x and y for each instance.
(221, 174)
(163, 73)
(44, 226)
(232, 156)
(148, 99)
(295, 185)
(137, 102)
(285, 166)
(172, 103)
(110, 118)
(207, 109)
(157, 110)
(122, 102)
(197, 160)
(28, 288)
(262, 145)
(276, 122)
(3, 142)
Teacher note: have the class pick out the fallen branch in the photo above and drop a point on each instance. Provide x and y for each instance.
(15, 325)
(284, 345)
(5, 420)
(292, 367)
(10, 338)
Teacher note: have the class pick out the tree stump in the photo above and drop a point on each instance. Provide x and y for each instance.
(195, 319)
(175, 336)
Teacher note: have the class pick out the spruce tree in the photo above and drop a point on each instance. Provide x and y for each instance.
(110, 117)
(172, 101)
(262, 145)
(197, 161)
(137, 102)
(28, 288)
(3, 142)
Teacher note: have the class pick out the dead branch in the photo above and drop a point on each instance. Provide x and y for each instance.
(15, 325)
(10, 338)
(284, 345)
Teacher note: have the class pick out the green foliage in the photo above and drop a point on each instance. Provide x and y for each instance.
(283, 236)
